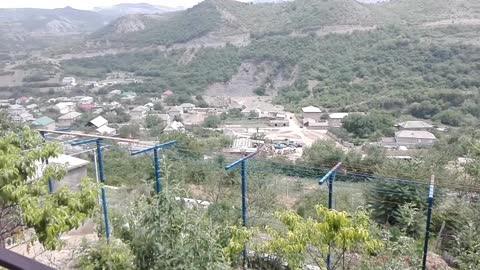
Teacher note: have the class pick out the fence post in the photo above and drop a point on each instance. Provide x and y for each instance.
(242, 163)
(429, 218)
(330, 175)
(99, 165)
(158, 186)
(50, 183)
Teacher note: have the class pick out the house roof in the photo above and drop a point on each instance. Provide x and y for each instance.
(174, 109)
(167, 93)
(311, 109)
(415, 134)
(337, 115)
(70, 115)
(99, 121)
(105, 130)
(64, 104)
(414, 124)
(43, 121)
(70, 161)
(139, 109)
(188, 105)
(16, 107)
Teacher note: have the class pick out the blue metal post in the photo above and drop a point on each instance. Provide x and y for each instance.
(99, 165)
(330, 175)
(429, 218)
(242, 162)
(50, 183)
(157, 171)
(158, 186)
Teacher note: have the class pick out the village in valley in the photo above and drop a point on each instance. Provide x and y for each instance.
(252, 123)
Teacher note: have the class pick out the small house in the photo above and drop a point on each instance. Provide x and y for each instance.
(98, 121)
(175, 126)
(128, 95)
(68, 119)
(138, 112)
(187, 107)
(335, 119)
(106, 130)
(175, 111)
(69, 81)
(44, 122)
(65, 107)
(279, 123)
(16, 110)
(85, 100)
(414, 138)
(312, 112)
(76, 170)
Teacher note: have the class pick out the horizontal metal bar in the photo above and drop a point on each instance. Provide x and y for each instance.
(84, 141)
(228, 167)
(158, 146)
(88, 135)
(327, 175)
(15, 261)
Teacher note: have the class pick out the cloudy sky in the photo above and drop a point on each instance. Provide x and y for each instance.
(89, 4)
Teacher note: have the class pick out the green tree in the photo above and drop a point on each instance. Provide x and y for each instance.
(322, 152)
(363, 126)
(48, 214)
(344, 233)
(212, 121)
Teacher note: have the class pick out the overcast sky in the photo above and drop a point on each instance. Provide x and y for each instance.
(89, 4)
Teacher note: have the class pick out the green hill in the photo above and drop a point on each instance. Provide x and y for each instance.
(229, 17)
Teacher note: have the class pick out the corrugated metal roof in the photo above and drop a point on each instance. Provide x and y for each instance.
(43, 121)
(415, 134)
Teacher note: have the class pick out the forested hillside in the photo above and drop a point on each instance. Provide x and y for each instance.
(400, 69)
(227, 17)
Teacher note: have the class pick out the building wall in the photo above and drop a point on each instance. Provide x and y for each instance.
(335, 122)
(415, 141)
(65, 122)
(315, 116)
(72, 178)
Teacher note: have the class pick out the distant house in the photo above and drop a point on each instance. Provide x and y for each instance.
(106, 130)
(414, 125)
(98, 121)
(187, 107)
(16, 109)
(86, 100)
(114, 93)
(149, 106)
(65, 107)
(91, 84)
(44, 122)
(70, 81)
(335, 119)
(138, 112)
(128, 95)
(175, 126)
(414, 138)
(167, 93)
(68, 119)
(174, 112)
(312, 112)
(32, 107)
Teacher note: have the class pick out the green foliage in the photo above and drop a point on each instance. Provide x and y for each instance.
(163, 234)
(363, 126)
(343, 232)
(260, 91)
(112, 255)
(212, 121)
(322, 152)
(450, 117)
(48, 214)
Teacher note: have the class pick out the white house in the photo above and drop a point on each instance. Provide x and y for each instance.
(414, 138)
(335, 119)
(99, 121)
(312, 112)
(71, 81)
(174, 112)
(187, 107)
(86, 100)
(106, 130)
(65, 107)
(68, 119)
(139, 112)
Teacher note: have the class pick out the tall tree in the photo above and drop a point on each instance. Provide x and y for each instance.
(24, 197)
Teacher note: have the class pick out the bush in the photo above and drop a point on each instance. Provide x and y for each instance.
(212, 121)
(103, 255)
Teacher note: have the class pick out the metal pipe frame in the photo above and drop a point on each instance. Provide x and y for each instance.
(155, 148)
(429, 219)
